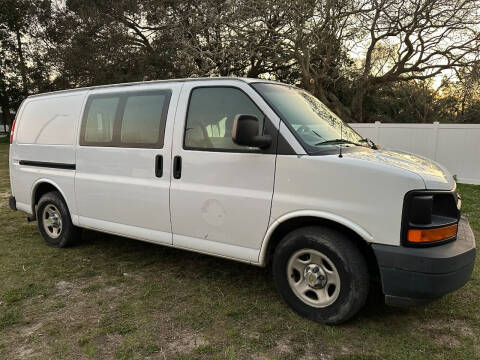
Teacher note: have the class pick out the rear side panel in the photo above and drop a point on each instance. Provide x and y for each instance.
(43, 147)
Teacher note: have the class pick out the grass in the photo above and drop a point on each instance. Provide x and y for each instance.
(112, 297)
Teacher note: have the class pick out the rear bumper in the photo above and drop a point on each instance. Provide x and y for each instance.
(12, 202)
(417, 275)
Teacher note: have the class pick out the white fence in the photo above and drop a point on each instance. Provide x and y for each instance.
(456, 146)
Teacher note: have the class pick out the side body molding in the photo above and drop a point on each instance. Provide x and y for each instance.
(309, 213)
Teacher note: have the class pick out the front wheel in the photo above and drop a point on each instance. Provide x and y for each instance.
(321, 274)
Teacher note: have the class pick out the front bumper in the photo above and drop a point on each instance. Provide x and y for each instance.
(418, 275)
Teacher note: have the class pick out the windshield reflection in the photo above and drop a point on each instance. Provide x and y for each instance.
(311, 120)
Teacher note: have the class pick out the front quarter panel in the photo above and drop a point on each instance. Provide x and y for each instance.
(360, 192)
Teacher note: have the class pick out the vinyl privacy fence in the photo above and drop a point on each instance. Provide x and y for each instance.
(456, 146)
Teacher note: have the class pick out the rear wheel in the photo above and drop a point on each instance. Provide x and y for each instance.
(54, 221)
(321, 274)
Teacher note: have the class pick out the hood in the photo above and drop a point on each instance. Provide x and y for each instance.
(435, 176)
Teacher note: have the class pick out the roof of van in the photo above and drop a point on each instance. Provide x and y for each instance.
(247, 80)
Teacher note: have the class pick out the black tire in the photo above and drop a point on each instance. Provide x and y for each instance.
(69, 233)
(351, 268)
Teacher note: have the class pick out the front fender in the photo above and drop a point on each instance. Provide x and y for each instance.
(360, 231)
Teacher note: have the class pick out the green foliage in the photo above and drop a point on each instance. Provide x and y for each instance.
(420, 102)
(20, 293)
(51, 45)
(9, 318)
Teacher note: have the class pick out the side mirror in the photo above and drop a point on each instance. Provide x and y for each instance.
(246, 130)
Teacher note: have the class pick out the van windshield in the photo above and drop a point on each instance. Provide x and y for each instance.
(314, 124)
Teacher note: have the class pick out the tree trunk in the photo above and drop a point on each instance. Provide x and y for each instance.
(253, 72)
(7, 117)
(333, 103)
(339, 108)
(21, 58)
(5, 105)
(356, 106)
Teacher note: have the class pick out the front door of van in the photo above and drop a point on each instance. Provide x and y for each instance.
(123, 161)
(221, 192)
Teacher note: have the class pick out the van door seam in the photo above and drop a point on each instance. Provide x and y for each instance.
(172, 141)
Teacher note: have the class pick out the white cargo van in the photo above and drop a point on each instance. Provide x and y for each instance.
(245, 169)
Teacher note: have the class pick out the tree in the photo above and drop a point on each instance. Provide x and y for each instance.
(14, 81)
(348, 53)
(411, 101)
(460, 99)
(425, 38)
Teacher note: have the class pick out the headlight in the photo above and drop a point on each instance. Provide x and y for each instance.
(430, 217)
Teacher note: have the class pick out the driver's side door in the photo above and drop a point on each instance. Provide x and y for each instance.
(221, 197)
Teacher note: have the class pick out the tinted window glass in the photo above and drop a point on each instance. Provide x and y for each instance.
(210, 117)
(133, 119)
(142, 119)
(49, 120)
(100, 119)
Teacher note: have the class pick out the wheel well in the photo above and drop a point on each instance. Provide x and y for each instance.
(289, 225)
(40, 190)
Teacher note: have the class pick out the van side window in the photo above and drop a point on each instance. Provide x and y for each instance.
(100, 119)
(133, 119)
(210, 118)
(141, 122)
(49, 120)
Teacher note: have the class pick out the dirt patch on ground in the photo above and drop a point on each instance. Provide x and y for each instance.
(25, 352)
(75, 307)
(4, 198)
(185, 342)
(65, 311)
(314, 353)
(454, 325)
(31, 330)
(283, 346)
(448, 333)
(63, 287)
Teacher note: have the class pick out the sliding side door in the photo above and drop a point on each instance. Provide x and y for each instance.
(124, 161)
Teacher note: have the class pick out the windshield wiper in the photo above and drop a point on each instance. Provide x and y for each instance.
(337, 141)
(369, 142)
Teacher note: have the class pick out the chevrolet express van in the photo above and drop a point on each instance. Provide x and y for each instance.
(246, 169)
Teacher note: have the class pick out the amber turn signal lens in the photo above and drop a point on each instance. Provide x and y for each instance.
(430, 235)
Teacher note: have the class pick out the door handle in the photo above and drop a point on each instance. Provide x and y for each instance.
(158, 166)
(177, 167)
